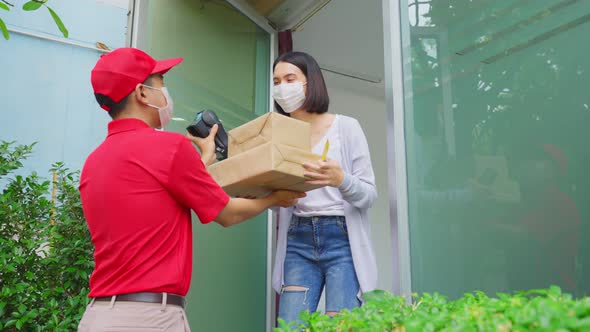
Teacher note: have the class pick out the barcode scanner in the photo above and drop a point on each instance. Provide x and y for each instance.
(204, 121)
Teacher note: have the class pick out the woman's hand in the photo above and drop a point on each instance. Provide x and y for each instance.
(206, 145)
(324, 173)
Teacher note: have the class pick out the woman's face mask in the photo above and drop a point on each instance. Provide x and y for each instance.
(166, 111)
(290, 96)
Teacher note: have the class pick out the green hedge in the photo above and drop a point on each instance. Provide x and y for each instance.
(539, 310)
(45, 247)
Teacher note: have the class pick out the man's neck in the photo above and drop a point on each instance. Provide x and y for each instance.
(142, 114)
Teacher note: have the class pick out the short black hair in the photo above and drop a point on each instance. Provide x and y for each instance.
(115, 109)
(317, 99)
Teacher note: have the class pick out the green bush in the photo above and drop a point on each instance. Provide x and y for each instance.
(538, 310)
(45, 248)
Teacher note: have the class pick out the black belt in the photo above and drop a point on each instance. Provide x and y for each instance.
(146, 298)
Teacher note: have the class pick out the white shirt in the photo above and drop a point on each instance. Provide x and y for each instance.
(326, 201)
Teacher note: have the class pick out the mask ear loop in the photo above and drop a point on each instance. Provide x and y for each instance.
(162, 91)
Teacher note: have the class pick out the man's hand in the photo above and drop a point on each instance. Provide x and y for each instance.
(285, 198)
(206, 145)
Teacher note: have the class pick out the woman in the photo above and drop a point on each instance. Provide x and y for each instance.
(324, 241)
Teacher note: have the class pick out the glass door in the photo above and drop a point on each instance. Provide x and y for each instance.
(226, 68)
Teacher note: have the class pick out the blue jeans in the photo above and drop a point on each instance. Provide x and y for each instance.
(318, 255)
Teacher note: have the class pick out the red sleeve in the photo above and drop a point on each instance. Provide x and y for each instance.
(192, 186)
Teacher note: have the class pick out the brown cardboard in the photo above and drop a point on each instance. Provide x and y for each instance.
(263, 169)
(272, 127)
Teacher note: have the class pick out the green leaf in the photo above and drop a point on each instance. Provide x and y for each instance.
(583, 324)
(32, 5)
(4, 6)
(376, 295)
(59, 23)
(4, 30)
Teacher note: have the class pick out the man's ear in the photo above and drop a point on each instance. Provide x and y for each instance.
(140, 94)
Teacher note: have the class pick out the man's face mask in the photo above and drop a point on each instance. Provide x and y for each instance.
(166, 111)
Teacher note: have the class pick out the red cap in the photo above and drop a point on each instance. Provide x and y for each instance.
(117, 73)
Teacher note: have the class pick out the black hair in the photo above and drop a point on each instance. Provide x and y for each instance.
(115, 109)
(317, 99)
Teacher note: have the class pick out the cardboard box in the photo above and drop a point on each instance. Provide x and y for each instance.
(263, 169)
(272, 127)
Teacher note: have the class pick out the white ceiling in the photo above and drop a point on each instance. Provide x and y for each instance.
(290, 12)
(346, 36)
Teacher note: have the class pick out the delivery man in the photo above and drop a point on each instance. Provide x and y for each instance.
(137, 190)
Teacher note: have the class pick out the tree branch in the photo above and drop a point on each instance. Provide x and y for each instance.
(8, 3)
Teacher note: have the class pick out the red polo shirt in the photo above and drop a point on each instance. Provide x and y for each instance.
(137, 190)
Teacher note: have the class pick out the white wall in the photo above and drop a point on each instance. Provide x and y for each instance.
(47, 96)
(347, 35)
(123, 4)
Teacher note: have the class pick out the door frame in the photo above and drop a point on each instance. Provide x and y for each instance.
(395, 41)
(137, 13)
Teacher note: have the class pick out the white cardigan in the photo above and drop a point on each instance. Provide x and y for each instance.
(359, 192)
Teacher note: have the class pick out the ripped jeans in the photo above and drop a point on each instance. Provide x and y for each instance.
(318, 255)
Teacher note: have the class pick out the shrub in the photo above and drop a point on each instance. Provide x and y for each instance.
(45, 247)
(537, 310)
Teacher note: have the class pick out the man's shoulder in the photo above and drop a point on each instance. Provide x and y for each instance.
(145, 142)
(163, 139)
(165, 136)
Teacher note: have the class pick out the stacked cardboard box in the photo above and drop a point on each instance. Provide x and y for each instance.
(264, 155)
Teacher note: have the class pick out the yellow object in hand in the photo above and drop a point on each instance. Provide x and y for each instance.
(326, 148)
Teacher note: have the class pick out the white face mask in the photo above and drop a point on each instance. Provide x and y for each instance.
(165, 112)
(290, 96)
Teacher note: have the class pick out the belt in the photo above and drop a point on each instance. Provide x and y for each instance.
(146, 298)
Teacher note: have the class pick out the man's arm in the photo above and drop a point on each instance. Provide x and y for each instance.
(193, 187)
(238, 210)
